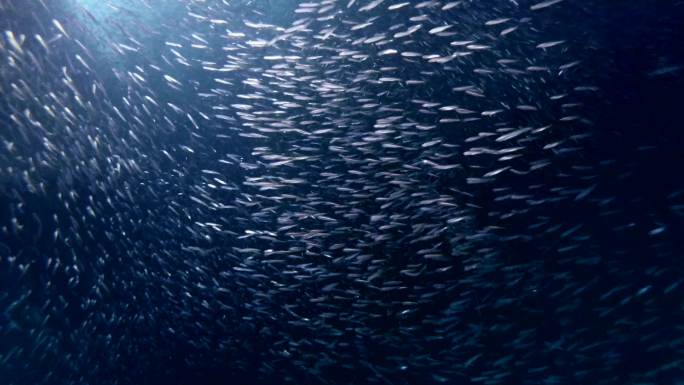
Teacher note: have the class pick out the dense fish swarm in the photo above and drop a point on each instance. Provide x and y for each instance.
(341, 192)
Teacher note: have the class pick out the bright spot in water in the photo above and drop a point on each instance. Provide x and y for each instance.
(100, 9)
(109, 22)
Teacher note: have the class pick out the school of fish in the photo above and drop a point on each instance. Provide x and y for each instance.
(323, 192)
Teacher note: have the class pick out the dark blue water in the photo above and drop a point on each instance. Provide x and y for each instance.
(143, 242)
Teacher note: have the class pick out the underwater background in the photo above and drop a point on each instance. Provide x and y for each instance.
(341, 192)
